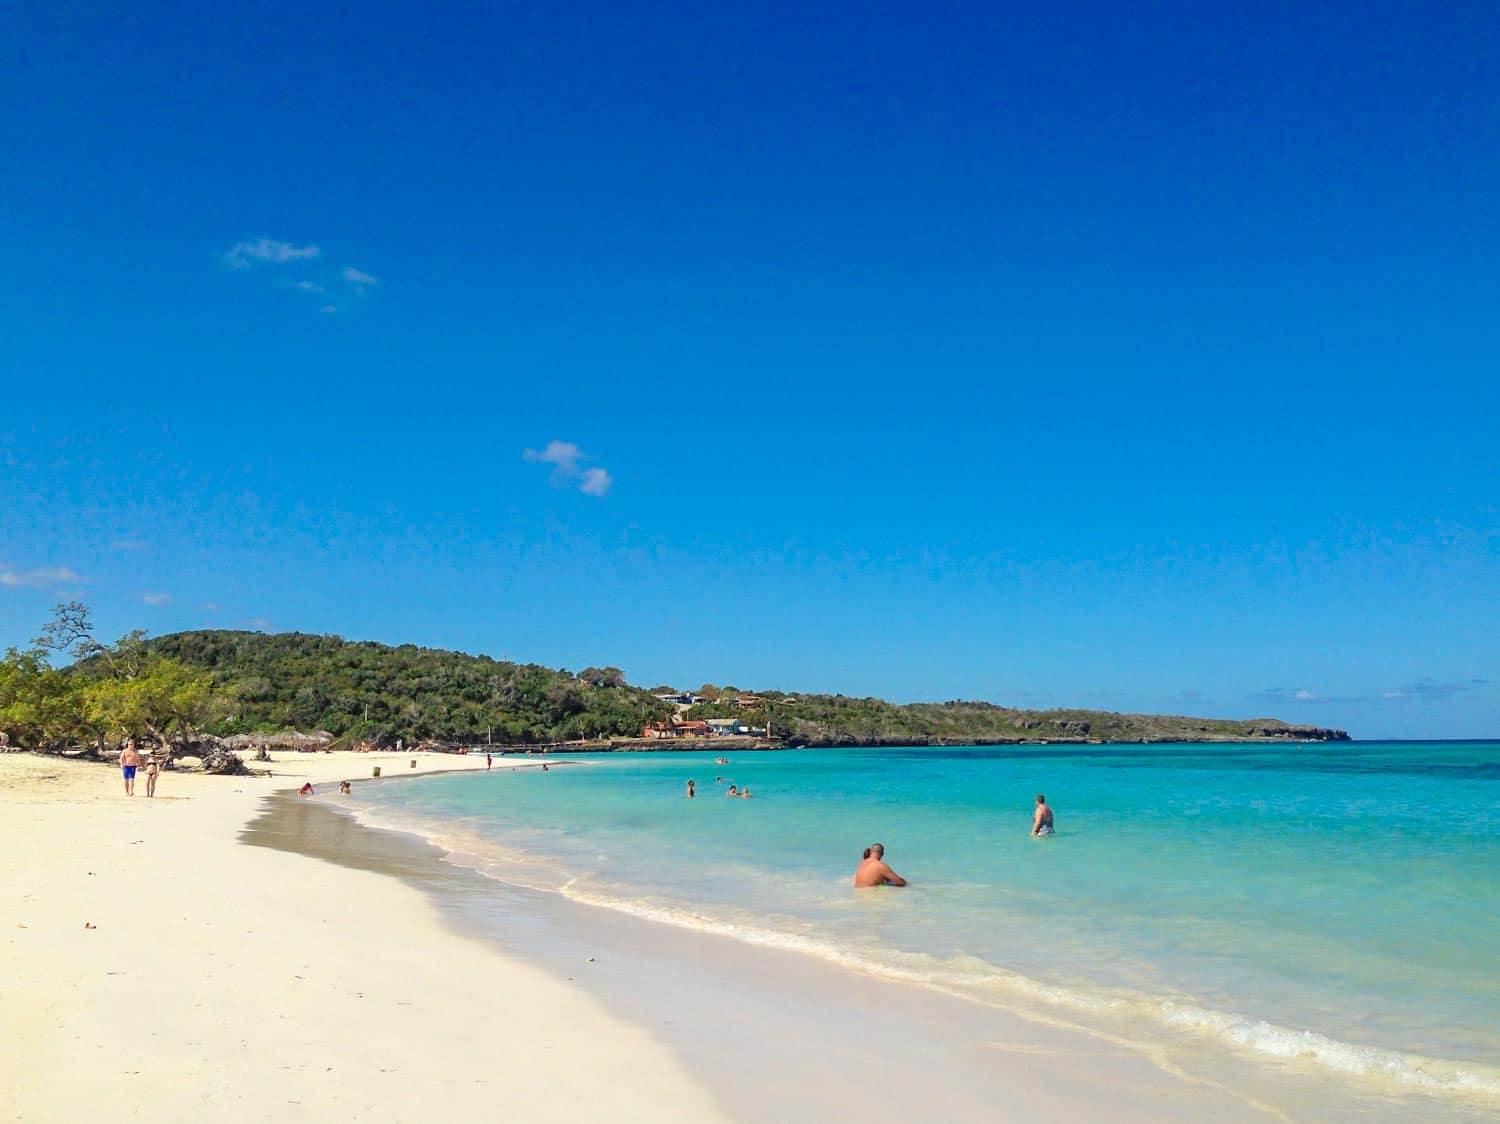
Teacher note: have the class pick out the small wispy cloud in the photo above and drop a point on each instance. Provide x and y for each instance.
(268, 250)
(1421, 690)
(568, 468)
(40, 577)
(209, 607)
(157, 598)
(1433, 690)
(595, 482)
(259, 624)
(564, 455)
(338, 286)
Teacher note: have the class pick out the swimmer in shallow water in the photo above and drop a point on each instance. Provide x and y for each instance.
(873, 870)
(1042, 823)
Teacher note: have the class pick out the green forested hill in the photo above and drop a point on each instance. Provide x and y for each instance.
(365, 690)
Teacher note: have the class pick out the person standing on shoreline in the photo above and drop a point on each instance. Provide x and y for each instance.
(153, 770)
(1042, 823)
(130, 761)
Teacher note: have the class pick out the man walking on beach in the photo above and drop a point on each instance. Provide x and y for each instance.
(130, 761)
(873, 870)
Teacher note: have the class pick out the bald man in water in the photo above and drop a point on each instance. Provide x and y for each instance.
(873, 871)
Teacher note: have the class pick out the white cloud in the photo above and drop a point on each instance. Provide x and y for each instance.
(357, 276)
(595, 482)
(209, 606)
(41, 576)
(244, 254)
(156, 598)
(330, 308)
(564, 454)
(308, 287)
(567, 461)
(1304, 696)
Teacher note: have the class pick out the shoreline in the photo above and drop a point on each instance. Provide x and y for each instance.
(919, 1017)
(729, 1031)
(818, 1031)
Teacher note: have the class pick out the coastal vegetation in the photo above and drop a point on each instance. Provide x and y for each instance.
(842, 719)
(177, 687)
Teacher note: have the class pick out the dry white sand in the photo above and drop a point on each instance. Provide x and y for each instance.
(227, 982)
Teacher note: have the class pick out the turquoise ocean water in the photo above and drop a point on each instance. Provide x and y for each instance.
(1333, 904)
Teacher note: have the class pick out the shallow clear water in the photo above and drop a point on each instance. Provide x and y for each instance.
(1334, 904)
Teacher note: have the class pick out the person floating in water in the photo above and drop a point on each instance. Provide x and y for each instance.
(734, 790)
(691, 786)
(1042, 824)
(873, 870)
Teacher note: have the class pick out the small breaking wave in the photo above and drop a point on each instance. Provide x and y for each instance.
(965, 977)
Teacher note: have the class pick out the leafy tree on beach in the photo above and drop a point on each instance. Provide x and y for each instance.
(110, 692)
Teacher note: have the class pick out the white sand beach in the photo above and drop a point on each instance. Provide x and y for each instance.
(226, 982)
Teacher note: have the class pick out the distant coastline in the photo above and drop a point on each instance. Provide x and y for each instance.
(365, 694)
(742, 745)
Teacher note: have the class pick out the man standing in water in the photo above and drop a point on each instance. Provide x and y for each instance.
(130, 761)
(1042, 824)
(691, 786)
(873, 870)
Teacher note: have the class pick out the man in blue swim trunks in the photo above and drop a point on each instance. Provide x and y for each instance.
(130, 761)
(1042, 823)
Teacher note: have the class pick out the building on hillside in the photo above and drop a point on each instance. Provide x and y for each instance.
(724, 727)
(693, 729)
(678, 698)
(660, 730)
(749, 702)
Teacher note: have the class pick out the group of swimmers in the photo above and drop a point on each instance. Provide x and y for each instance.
(873, 870)
(345, 788)
(733, 790)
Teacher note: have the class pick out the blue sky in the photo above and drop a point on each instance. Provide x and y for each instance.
(1140, 359)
